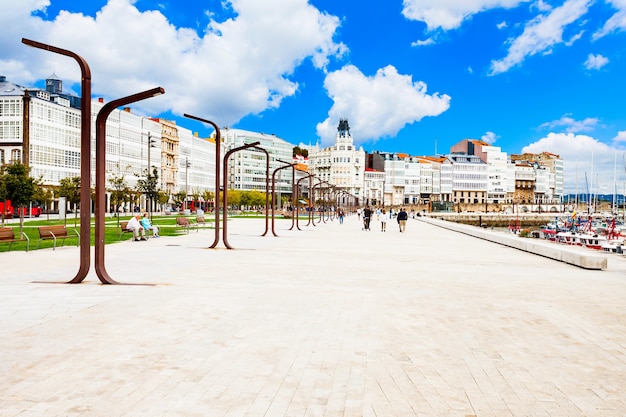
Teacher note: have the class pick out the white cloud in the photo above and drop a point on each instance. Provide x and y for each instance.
(617, 22)
(233, 69)
(582, 156)
(541, 34)
(489, 138)
(621, 137)
(377, 106)
(419, 42)
(596, 61)
(572, 125)
(450, 14)
(502, 25)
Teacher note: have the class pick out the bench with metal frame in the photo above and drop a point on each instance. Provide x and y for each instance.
(56, 233)
(186, 224)
(8, 236)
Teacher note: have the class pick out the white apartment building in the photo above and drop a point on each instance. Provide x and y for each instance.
(49, 124)
(247, 168)
(469, 179)
(342, 165)
(373, 187)
(196, 163)
(496, 174)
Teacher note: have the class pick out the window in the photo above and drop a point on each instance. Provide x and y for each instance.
(16, 155)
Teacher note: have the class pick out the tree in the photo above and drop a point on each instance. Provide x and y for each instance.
(162, 198)
(119, 193)
(234, 198)
(70, 189)
(44, 196)
(149, 186)
(17, 186)
(208, 197)
(179, 198)
(300, 151)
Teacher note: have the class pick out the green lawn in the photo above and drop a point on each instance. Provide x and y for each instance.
(167, 227)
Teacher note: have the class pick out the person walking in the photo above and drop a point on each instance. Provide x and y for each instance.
(402, 218)
(383, 221)
(367, 217)
(340, 215)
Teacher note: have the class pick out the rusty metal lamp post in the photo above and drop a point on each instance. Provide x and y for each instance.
(267, 186)
(290, 165)
(225, 196)
(85, 156)
(297, 198)
(101, 119)
(218, 161)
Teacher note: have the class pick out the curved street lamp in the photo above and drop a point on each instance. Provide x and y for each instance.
(85, 155)
(225, 196)
(101, 120)
(218, 162)
(290, 165)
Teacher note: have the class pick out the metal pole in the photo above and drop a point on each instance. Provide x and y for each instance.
(101, 119)
(218, 161)
(85, 156)
(274, 188)
(225, 198)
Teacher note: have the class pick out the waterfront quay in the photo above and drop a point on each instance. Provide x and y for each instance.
(496, 219)
(328, 321)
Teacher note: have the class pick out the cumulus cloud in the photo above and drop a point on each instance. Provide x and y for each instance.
(582, 156)
(621, 137)
(489, 138)
(616, 23)
(450, 14)
(230, 70)
(502, 25)
(572, 125)
(541, 34)
(595, 62)
(377, 106)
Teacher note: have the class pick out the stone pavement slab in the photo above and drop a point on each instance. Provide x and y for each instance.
(327, 321)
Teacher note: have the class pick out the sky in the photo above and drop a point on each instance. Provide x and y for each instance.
(411, 76)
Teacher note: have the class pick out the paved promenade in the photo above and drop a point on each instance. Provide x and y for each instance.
(328, 321)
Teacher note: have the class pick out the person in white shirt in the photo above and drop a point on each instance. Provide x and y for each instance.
(135, 226)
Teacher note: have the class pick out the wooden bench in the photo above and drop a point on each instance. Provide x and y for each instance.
(56, 233)
(185, 224)
(7, 236)
(201, 221)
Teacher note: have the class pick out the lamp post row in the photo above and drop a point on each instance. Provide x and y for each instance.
(100, 189)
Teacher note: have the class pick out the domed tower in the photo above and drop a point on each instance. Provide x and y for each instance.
(343, 130)
(54, 85)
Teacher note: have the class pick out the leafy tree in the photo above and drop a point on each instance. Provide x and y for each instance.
(257, 198)
(120, 193)
(300, 151)
(208, 197)
(70, 189)
(162, 198)
(234, 198)
(45, 196)
(149, 186)
(179, 198)
(17, 185)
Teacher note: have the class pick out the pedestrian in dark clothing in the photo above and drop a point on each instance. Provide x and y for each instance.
(402, 218)
(367, 216)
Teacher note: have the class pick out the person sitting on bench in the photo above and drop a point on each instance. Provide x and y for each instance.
(135, 226)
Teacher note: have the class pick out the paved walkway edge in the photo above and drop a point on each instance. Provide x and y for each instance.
(570, 255)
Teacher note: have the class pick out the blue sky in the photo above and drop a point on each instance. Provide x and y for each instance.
(411, 76)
